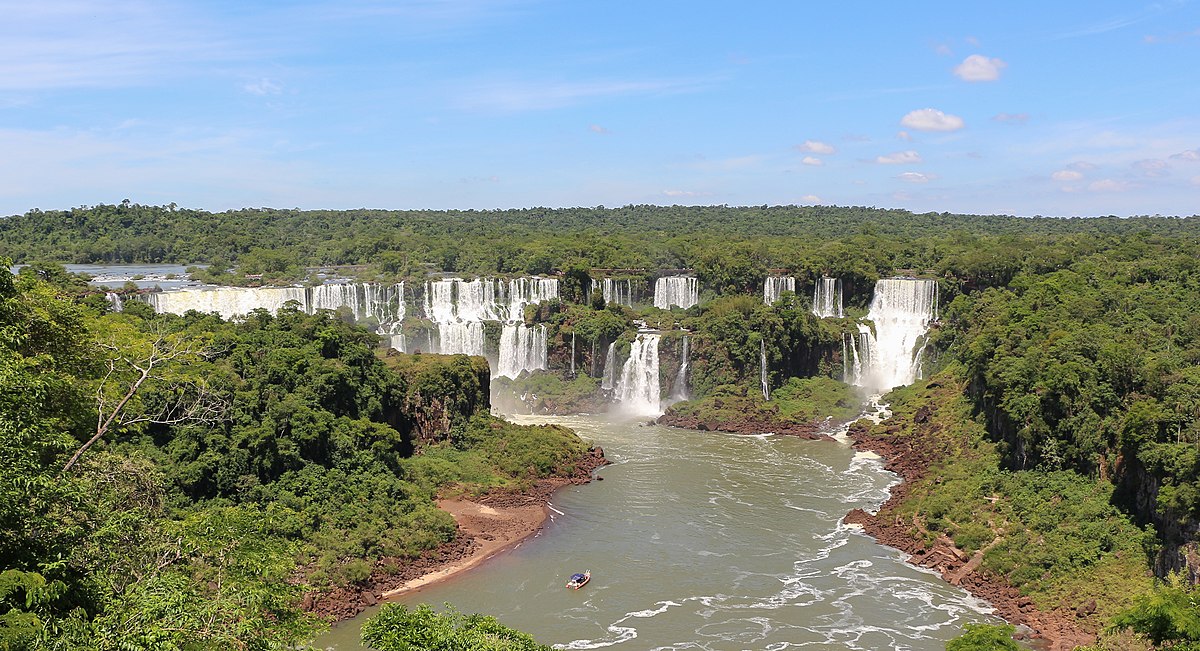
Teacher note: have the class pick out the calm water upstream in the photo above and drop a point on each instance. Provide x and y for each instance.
(709, 541)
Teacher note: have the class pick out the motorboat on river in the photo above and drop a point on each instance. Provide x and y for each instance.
(579, 580)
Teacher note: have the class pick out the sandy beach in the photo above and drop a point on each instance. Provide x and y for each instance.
(493, 528)
(487, 526)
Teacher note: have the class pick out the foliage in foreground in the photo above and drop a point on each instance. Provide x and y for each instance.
(985, 637)
(399, 628)
(1169, 616)
(187, 534)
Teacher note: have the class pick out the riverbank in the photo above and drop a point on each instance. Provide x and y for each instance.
(487, 525)
(911, 457)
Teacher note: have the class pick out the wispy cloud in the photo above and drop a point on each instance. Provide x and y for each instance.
(1113, 23)
(519, 96)
(916, 177)
(812, 160)
(263, 87)
(1011, 118)
(817, 147)
(1067, 175)
(49, 45)
(899, 158)
(595, 128)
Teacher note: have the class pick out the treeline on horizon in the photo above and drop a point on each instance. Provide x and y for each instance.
(528, 240)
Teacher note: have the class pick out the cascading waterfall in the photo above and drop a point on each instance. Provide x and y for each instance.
(639, 388)
(775, 286)
(461, 338)
(901, 311)
(114, 300)
(856, 348)
(827, 298)
(459, 307)
(522, 348)
(382, 303)
(610, 368)
(762, 365)
(615, 291)
(572, 354)
(529, 291)
(683, 291)
(679, 391)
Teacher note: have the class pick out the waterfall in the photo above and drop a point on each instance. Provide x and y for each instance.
(522, 348)
(459, 307)
(397, 341)
(529, 291)
(383, 303)
(774, 286)
(114, 301)
(610, 368)
(461, 338)
(618, 291)
(856, 348)
(639, 388)
(683, 291)
(827, 298)
(679, 391)
(572, 354)
(901, 310)
(762, 365)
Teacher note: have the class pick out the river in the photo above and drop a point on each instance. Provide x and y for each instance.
(699, 540)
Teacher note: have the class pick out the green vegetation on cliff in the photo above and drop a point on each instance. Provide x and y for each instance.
(174, 482)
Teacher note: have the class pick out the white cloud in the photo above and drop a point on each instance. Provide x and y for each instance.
(1196, 180)
(685, 193)
(263, 87)
(979, 68)
(595, 128)
(1108, 185)
(1152, 167)
(916, 177)
(929, 119)
(904, 135)
(812, 160)
(1082, 165)
(810, 198)
(899, 158)
(1188, 155)
(1066, 175)
(817, 147)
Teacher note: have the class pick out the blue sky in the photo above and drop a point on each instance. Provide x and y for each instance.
(1019, 107)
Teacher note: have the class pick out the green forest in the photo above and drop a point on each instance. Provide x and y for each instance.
(1062, 376)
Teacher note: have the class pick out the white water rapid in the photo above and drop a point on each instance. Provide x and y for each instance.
(774, 286)
(827, 298)
(682, 291)
(889, 356)
(639, 387)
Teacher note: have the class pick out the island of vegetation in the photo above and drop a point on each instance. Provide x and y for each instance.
(1050, 455)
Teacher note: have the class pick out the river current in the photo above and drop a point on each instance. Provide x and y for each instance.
(699, 540)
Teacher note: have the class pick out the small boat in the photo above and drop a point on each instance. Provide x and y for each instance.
(579, 580)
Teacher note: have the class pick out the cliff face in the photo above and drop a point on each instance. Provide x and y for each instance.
(439, 393)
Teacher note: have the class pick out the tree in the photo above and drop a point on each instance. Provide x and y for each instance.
(985, 637)
(139, 365)
(1169, 616)
(398, 628)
